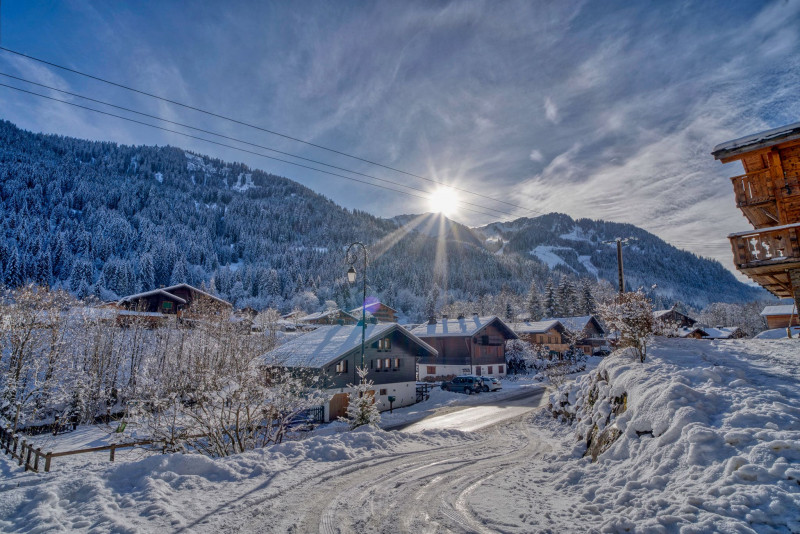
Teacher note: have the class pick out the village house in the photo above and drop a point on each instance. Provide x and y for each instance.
(329, 317)
(169, 300)
(724, 332)
(673, 317)
(587, 332)
(693, 332)
(780, 316)
(380, 311)
(334, 352)
(547, 333)
(471, 345)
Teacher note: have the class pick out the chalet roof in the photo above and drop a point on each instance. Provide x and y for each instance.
(765, 139)
(721, 332)
(163, 292)
(780, 309)
(374, 306)
(536, 327)
(329, 343)
(686, 331)
(465, 327)
(326, 313)
(577, 324)
(167, 292)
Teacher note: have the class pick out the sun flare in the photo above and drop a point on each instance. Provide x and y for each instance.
(443, 200)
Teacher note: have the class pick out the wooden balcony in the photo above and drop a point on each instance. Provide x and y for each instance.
(753, 188)
(767, 255)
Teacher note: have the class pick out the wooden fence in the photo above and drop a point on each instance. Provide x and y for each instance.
(31, 457)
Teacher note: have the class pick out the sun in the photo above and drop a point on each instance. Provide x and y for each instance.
(443, 200)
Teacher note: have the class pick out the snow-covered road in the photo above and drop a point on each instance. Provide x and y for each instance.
(470, 419)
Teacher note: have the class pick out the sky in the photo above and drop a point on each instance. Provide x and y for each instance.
(607, 110)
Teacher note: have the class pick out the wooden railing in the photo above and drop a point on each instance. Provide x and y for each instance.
(768, 245)
(753, 188)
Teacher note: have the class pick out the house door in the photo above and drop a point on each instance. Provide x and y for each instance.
(339, 404)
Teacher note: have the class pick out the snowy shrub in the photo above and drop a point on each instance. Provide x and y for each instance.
(361, 408)
(630, 314)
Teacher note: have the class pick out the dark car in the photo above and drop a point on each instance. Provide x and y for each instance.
(464, 384)
(601, 351)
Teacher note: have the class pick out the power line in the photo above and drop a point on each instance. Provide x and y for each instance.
(241, 141)
(273, 132)
(229, 146)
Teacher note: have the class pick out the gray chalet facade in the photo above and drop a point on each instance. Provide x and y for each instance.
(334, 352)
(471, 345)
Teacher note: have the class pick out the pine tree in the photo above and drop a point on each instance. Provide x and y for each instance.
(361, 409)
(432, 302)
(550, 300)
(534, 303)
(180, 273)
(588, 302)
(13, 274)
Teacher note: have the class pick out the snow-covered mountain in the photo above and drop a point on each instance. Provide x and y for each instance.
(110, 220)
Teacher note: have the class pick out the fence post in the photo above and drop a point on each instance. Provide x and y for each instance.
(36, 460)
(28, 457)
(113, 449)
(22, 451)
(47, 458)
(16, 445)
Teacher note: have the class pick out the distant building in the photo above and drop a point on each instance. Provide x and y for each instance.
(589, 333)
(547, 333)
(724, 332)
(334, 352)
(780, 316)
(329, 317)
(694, 332)
(471, 345)
(674, 317)
(169, 300)
(380, 311)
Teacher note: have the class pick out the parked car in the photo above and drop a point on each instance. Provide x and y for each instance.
(491, 383)
(464, 384)
(601, 351)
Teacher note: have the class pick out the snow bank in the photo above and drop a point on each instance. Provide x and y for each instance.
(701, 437)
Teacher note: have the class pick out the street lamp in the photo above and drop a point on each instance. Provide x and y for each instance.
(351, 277)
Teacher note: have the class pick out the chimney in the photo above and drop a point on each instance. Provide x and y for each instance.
(431, 320)
(475, 314)
(444, 316)
(460, 316)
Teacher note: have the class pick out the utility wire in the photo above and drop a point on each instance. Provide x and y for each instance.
(242, 141)
(230, 146)
(273, 132)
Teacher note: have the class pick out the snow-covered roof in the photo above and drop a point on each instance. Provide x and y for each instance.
(468, 326)
(576, 324)
(328, 343)
(780, 309)
(721, 332)
(167, 292)
(146, 294)
(535, 327)
(764, 139)
(327, 313)
(686, 331)
(778, 333)
(374, 306)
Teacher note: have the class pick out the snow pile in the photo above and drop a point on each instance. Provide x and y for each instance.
(701, 437)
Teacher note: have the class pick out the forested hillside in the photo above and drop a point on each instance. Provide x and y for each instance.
(109, 220)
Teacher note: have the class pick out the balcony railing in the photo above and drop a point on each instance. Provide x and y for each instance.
(753, 188)
(768, 245)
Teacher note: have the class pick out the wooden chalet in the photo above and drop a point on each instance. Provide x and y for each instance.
(768, 193)
(724, 332)
(693, 332)
(169, 300)
(380, 311)
(473, 345)
(334, 352)
(780, 316)
(329, 317)
(674, 317)
(588, 333)
(548, 333)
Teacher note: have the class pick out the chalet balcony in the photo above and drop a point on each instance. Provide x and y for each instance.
(753, 188)
(766, 256)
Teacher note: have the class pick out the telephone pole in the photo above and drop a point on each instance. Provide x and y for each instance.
(621, 241)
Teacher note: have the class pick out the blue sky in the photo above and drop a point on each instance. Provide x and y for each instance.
(604, 109)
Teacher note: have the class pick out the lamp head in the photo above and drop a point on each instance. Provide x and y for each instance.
(351, 274)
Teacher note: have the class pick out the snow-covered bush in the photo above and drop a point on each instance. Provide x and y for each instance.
(631, 315)
(361, 408)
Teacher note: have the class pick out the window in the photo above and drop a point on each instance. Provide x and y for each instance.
(490, 370)
(166, 305)
(378, 364)
(383, 392)
(500, 369)
(385, 344)
(478, 370)
(387, 363)
(431, 370)
(341, 367)
(397, 363)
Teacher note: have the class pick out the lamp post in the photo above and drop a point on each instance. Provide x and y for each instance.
(351, 277)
